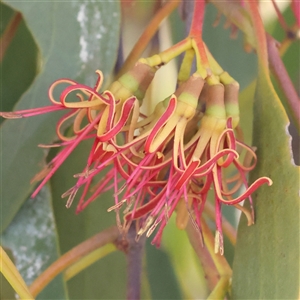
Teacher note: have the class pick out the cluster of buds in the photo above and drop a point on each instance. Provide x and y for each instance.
(165, 161)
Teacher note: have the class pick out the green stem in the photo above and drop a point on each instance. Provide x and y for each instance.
(12, 275)
(88, 260)
(109, 235)
(211, 273)
(167, 55)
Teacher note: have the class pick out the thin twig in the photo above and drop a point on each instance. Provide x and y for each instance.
(134, 253)
(211, 273)
(260, 35)
(281, 20)
(147, 35)
(284, 81)
(107, 236)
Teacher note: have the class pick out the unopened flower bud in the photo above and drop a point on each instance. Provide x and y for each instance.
(133, 83)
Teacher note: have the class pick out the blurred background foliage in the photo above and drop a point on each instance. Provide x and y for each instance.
(71, 39)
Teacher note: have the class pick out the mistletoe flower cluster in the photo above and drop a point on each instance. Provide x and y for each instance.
(166, 161)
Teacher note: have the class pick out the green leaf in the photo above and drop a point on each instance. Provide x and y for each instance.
(162, 278)
(246, 111)
(188, 270)
(32, 238)
(266, 264)
(16, 73)
(6, 291)
(74, 38)
(105, 279)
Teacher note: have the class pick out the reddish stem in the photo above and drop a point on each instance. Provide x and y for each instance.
(211, 273)
(279, 70)
(198, 17)
(147, 35)
(9, 33)
(259, 30)
(134, 253)
(196, 28)
(280, 16)
(296, 11)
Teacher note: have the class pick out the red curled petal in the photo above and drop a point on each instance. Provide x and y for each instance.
(187, 174)
(99, 81)
(126, 110)
(252, 188)
(207, 166)
(161, 121)
(83, 88)
(111, 110)
(56, 83)
(232, 145)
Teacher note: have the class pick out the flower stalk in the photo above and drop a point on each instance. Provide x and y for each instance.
(134, 253)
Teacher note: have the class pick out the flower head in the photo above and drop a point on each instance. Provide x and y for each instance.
(159, 163)
(179, 168)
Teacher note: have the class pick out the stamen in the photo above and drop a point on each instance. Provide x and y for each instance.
(50, 146)
(85, 174)
(129, 205)
(219, 243)
(73, 191)
(152, 228)
(116, 206)
(147, 224)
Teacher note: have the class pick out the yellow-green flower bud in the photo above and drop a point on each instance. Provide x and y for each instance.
(133, 83)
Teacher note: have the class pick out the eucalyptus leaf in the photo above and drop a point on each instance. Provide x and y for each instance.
(74, 38)
(6, 291)
(164, 283)
(19, 65)
(266, 264)
(32, 238)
